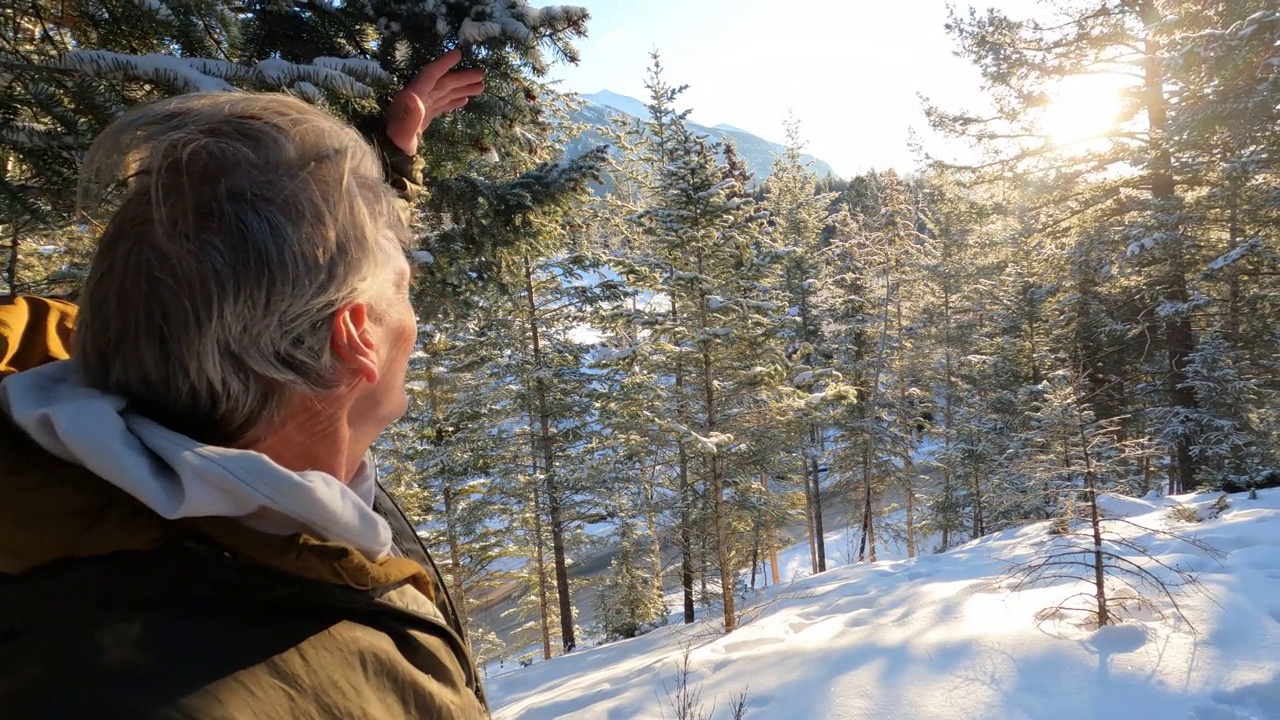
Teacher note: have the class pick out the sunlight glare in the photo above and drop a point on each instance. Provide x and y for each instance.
(1082, 108)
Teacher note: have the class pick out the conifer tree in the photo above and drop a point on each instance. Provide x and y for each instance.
(799, 218)
(625, 603)
(70, 68)
(448, 458)
(649, 385)
(1233, 417)
(881, 427)
(1130, 176)
(707, 337)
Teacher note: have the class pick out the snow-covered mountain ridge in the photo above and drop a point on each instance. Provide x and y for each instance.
(944, 636)
(756, 151)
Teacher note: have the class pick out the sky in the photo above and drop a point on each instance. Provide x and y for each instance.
(851, 71)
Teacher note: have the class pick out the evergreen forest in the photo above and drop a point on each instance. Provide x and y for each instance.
(642, 370)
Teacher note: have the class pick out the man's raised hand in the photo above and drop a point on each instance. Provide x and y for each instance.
(434, 91)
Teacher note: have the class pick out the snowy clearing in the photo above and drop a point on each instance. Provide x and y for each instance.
(939, 637)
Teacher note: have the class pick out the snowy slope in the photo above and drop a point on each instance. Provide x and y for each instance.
(756, 151)
(941, 637)
(628, 105)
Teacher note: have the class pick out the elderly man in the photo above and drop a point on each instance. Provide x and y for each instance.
(190, 521)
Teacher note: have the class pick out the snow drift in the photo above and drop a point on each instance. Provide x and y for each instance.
(942, 636)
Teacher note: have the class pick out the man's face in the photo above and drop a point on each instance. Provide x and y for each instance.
(398, 329)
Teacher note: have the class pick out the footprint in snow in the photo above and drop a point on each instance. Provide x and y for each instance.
(857, 621)
(798, 626)
(853, 603)
(744, 646)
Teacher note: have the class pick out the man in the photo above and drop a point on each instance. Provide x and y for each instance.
(190, 522)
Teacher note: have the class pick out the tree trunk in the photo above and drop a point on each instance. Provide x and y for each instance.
(719, 515)
(808, 523)
(868, 549)
(873, 394)
(702, 565)
(812, 481)
(979, 528)
(655, 549)
(909, 428)
(685, 487)
(814, 478)
(727, 579)
(1091, 489)
(455, 559)
(686, 535)
(450, 527)
(948, 424)
(540, 564)
(554, 509)
(1179, 338)
(911, 514)
(771, 537)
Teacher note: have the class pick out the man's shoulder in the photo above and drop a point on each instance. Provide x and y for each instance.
(34, 331)
(189, 631)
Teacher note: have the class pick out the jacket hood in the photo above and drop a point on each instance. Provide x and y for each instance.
(82, 476)
(177, 477)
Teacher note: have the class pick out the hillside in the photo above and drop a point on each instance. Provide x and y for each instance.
(757, 151)
(942, 636)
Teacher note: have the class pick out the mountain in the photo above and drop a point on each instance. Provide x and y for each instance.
(622, 103)
(756, 151)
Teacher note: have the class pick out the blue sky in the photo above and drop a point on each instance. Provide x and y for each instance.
(849, 70)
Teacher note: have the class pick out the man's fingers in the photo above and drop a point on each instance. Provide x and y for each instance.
(456, 79)
(430, 75)
(460, 102)
(468, 91)
(443, 103)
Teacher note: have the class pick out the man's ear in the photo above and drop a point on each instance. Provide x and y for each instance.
(352, 341)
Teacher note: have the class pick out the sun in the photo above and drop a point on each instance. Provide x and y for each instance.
(1082, 109)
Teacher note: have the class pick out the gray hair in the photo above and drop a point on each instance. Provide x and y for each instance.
(247, 221)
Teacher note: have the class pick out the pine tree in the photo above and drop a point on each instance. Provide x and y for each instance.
(959, 261)
(504, 408)
(1130, 176)
(881, 429)
(1233, 416)
(447, 458)
(1074, 460)
(71, 68)
(625, 602)
(707, 323)
(799, 218)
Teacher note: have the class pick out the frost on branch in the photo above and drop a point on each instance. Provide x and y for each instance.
(276, 73)
(1233, 255)
(362, 69)
(33, 136)
(158, 7)
(352, 77)
(482, 23)
(183, 74)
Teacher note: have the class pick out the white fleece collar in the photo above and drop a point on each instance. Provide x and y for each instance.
(178, 477)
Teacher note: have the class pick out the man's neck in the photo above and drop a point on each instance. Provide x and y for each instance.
(314, 436)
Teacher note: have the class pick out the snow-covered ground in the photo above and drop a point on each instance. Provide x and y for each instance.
(942, 636)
